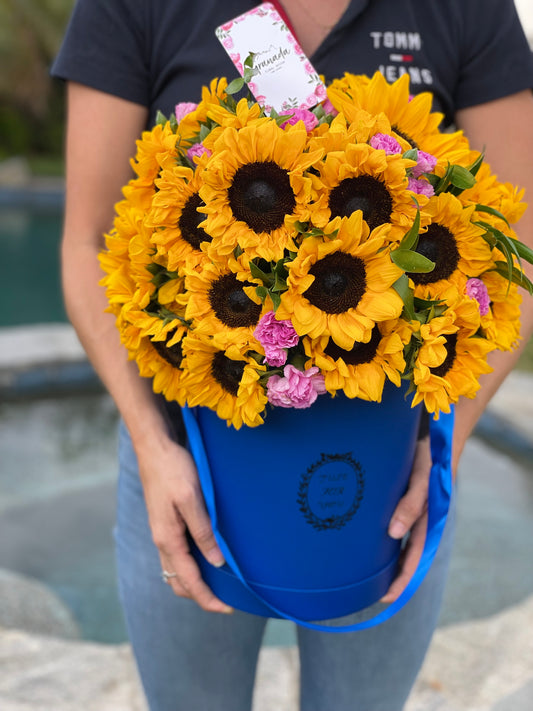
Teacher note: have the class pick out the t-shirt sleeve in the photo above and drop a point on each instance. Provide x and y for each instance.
(106, 47)
(496, 58)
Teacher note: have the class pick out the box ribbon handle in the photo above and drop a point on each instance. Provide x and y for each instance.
(439, 495)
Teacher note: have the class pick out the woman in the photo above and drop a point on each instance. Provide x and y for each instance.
(126, 59)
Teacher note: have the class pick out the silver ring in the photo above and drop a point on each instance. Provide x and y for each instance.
(165, 575)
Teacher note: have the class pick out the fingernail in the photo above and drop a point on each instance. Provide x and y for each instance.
(227, 610)
(215, 557)
(397, 529)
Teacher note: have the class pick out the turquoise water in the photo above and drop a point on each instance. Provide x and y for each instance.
(29, 243)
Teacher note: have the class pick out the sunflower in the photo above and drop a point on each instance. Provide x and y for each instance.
(189, 127)
(154, 149)
(244, 114)
(363, 178)
(341, 133)
(154, 344)
(218, 303)
(118, 281)
(128, 256)
(411, 117)
(253, 182)
(503, 197)
(175, 219)
(452, 356)
(341, 287)
(361, 372)
(227, 380)
(501, 325)
(452, 242)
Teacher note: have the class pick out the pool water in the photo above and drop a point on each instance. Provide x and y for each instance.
(29, 243)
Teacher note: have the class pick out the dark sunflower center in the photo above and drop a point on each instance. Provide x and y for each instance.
(405, 137)
(339, 285)
(172, 354)
(363, 193)
(230, 303)
(360, 353)
(189, 220)
(451, 352)
(261, 195)
(439, 245)
(227, 372)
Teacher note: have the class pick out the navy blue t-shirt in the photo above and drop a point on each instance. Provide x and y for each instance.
(160, 52)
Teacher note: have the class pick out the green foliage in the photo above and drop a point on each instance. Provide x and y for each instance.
(31, 114)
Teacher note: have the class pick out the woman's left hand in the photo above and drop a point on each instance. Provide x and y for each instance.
(410, 516)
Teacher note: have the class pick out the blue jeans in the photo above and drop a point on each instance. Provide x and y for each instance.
(192, 660)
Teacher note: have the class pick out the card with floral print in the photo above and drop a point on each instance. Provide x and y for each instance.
(284, 78)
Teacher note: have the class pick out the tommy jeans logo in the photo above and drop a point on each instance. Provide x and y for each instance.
(397, 40)
(401, 59)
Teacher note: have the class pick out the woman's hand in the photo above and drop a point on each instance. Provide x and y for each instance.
(175, 505)
(411, 516)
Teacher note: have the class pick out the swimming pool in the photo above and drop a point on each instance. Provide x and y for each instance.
(30, 233)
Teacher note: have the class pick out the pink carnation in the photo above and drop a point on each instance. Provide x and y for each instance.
(384, 142)
(296, 388)
(425, 164)
(308, 117)
(197, 150)
(477, 290)
(184, 108)
(329, 108)
(275, 337)
(421, 187)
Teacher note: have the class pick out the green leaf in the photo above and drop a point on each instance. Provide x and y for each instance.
(402, 288)
(154, 268)
(411, 154)
(301, 227)
(411, 261)
(492, 211)
(262, 292)
(258, 273)
(160, 119)
(276, 300)
(249, 61)
(507, 245)
(204, 132)
(462, 178)
(280, 284)
(524, 251)
(476, 165)
(433, 179)
(235, 86)
(488, 236)
(410, 240)
(426, 304)
(444, 182)
(515, 276)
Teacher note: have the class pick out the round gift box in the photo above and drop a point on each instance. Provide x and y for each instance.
(302, 503)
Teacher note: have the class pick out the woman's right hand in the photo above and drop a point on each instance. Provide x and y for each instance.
(175, 505)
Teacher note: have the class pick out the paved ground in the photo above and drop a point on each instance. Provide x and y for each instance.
(56, 509)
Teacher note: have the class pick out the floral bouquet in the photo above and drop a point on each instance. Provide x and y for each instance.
(263, 260)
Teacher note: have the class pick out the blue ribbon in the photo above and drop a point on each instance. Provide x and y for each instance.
(439, 495)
